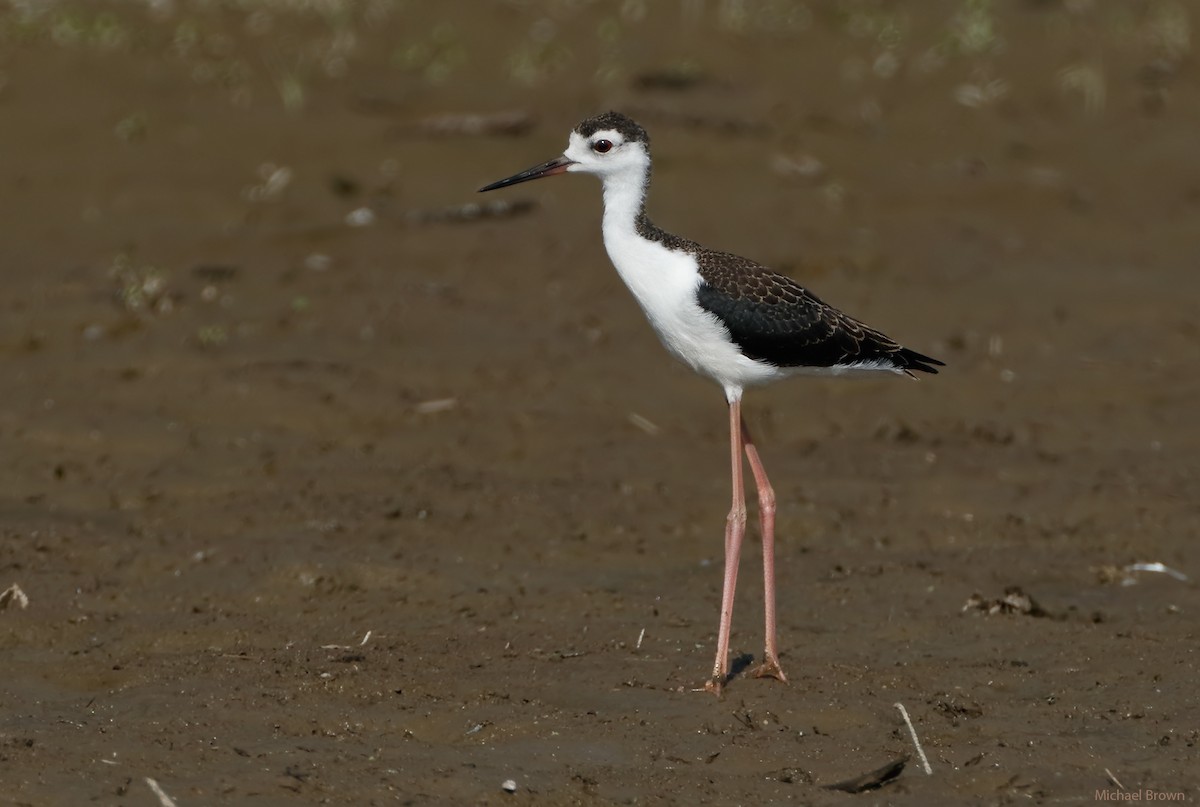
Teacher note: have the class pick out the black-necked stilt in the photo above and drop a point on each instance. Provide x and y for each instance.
(727, 317)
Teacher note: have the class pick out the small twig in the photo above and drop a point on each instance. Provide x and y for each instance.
(163, 798)
(913, 733)
(1161, 568)
(1112, 777)
(641, 636)
(872, 780)
(432, 407)
(645, 424)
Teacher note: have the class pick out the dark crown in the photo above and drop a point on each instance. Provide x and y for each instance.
(614, 121)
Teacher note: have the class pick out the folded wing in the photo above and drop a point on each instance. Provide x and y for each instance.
(774, 319)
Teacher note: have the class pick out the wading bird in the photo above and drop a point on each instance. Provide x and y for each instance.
(728, 318)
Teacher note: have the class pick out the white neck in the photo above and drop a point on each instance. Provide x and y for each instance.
(624, 196)
(664, 281)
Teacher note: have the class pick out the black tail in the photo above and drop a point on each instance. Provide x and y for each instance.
(910, 360)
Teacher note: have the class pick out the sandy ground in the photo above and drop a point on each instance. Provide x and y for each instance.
(315, 513)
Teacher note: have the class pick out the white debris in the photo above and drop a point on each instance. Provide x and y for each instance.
(362, 217)
(435, 406)
(13, 596)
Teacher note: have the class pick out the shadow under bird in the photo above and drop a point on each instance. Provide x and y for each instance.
(728, 318)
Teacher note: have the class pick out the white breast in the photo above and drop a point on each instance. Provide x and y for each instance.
(664, 283)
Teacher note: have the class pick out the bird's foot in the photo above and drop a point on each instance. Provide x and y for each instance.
(715, 685)
(769, 669)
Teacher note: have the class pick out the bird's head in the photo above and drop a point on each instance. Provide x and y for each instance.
(611, 146)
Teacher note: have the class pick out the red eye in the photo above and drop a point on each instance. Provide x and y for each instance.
(602, 146)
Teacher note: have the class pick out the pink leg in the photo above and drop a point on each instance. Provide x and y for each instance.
(766, 513)
(735, 531)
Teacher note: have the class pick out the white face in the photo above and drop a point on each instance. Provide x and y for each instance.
(605, 153)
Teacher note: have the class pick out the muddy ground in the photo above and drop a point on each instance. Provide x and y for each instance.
(322, 490)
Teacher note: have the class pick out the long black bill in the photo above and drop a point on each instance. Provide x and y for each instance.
(555, 166)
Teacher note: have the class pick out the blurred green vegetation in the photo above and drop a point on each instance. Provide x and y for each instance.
(238, 45)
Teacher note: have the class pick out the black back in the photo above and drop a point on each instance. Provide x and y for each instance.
(774, 319)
